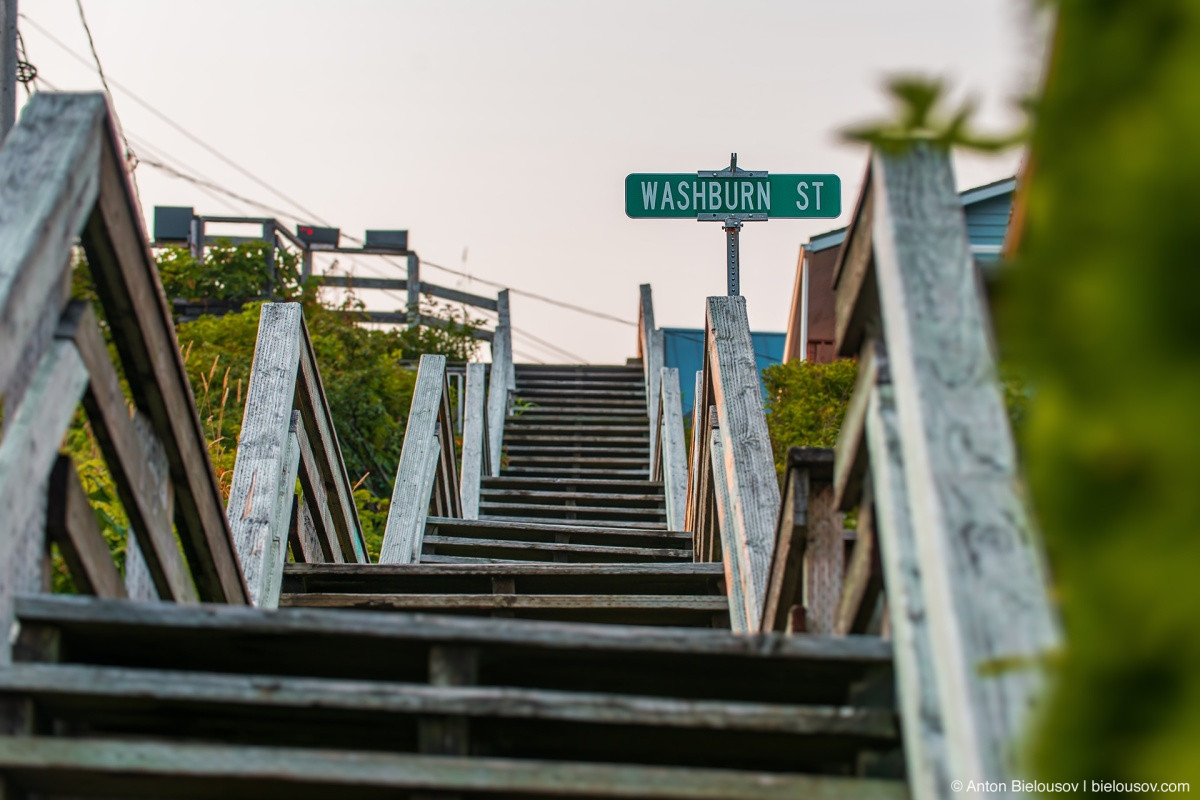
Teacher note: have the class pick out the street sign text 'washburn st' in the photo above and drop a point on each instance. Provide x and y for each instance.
(773, 196)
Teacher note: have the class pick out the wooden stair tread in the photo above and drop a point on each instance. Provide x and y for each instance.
(436, 602)
(91, 687)
(460, 543)
(180, 769)
(493, 504)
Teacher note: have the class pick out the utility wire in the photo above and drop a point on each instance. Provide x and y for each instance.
(131, 160)
(312, 216)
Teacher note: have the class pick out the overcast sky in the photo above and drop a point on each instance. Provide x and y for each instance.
(500, 133)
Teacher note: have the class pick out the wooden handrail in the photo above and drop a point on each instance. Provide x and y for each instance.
(650, 351)
(732, 491)
(926, 456)
(501, 383)
(476, 458)
(287, 433)
(670, 463)
(62, 177)
(427, 474)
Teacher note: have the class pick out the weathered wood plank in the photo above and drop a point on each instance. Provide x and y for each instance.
(319, 431)
(458, 296)
(749, 463)
(476, 461)
(850, 464)
(154, 769)
(134, 458)
(498, 394)
(159, 500)
(448, 500)
(49, 180)
(262, 464)
(672, 454)
(735, 583)
(791, 537)
(318, 537)
(71, 523)
(824, 557)
(286, 503)
(697, 459)
(116, 687)
(984, 587)
(653, 391)
(856, 300)
(862, 585)
(482, 602)
(153, 620)
(921, 716)
(28, 451)
(139, 318)
(463, 542)
(416, 471)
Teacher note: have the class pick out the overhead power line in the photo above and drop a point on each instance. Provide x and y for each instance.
(211, 186)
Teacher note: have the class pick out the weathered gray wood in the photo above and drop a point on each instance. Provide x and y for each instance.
(654, 389)
(72, 524)
(735, 583)
(850, 464)
(498, 394)
(458, 296)
(154, 769)
(529, 547)
(749, 462)
(857, 295)
(116, 687)
(413, 308)
(447, 500)
(135, 457)
(985, 594)
(791, 537)
(476, 461)
(286, 502)
(824, 558)
(921, 716)
(504, 319)
(862, 585)
(262, 465)
(28, 451)
(318, 536)
(696, 460)
(153, 619)
(322, 438)
(155, 489)
(126, 280)
(418, 464)
(672, 453)
(481, 602)
(49, 180)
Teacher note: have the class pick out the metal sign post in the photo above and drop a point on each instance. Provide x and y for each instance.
(732, 196)
(732, 221)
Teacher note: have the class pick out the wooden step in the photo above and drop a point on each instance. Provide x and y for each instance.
(580, 413)
(533, 509)
(568, 450)
(566, 498)
(547, 551)
(531, 578)
(573, 484)
(516, 428)
(675, 610)
(557, 390)
(581, 461)
(543, 530)
(683, 663)
(525, 383)
(530, 437)
(547, 471)
(89, 766)
(642, 528)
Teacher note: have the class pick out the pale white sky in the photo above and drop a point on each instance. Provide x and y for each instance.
(500, 133)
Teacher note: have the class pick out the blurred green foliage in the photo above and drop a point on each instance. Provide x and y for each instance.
(806, 402)
(368, 389)
(1103, 311)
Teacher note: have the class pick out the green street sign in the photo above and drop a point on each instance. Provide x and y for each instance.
(689, 196)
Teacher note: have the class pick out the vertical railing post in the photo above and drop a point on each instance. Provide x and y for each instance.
(476, 462)
(671, 463)
(413, 312)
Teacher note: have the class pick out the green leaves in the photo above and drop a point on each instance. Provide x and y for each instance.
(919, 118)
(806, 402)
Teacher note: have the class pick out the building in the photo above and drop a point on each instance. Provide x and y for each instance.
(810, 333)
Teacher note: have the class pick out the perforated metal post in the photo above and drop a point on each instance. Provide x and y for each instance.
(732, 228)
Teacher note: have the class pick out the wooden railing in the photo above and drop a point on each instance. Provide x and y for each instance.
(732, 493)
(668, 456)
(944, 559)
(62, 177)
(287, 432)
(502, 382)
(427, 474)
(476, 449)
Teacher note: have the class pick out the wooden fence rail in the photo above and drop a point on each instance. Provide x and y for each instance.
(427, 474)
(287, 433)
(926, 456)
(732, 492)
(62, 177)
